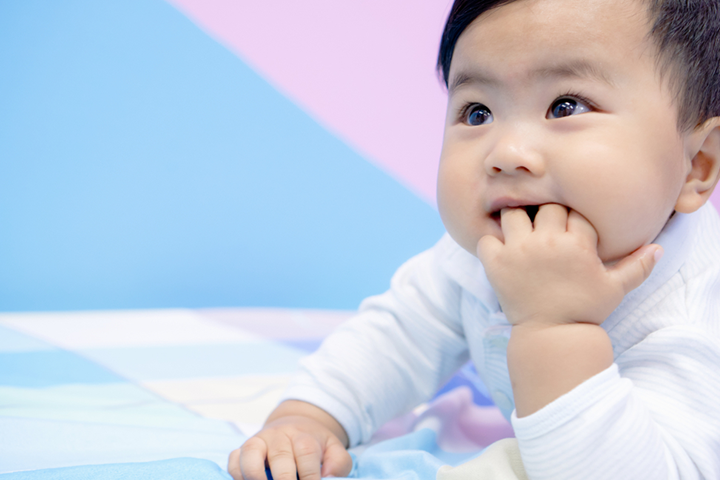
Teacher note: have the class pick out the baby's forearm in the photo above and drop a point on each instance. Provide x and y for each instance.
(290, 408)
(546, 362)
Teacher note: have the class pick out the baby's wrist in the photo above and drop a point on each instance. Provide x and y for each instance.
(539, 319)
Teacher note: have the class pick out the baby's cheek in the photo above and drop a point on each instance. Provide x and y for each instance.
(623, 239)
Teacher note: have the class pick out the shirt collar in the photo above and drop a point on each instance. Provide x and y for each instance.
(676, 239)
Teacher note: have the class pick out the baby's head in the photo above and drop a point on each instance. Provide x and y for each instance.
(609, 107)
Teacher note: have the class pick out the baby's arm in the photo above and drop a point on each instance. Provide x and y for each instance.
(392, 356)
(297, 438)
(652, 416)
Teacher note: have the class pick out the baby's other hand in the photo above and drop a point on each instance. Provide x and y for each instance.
(549, 273)
(292, 445)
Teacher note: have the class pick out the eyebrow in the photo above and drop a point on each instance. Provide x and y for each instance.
(573, 69)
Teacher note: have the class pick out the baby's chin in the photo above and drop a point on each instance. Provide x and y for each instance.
(469, 243)
(610, 258)
(627, 241)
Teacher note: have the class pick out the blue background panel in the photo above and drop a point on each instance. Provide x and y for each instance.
(142, 165)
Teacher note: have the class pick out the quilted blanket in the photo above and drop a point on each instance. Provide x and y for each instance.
(169, 393)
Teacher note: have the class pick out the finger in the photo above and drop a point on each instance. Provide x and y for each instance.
(336, 462)
(252, 460)
(233, 467)
(576, 223)
(551, 217)
(515, 223)
(634, 269)
(308, 456)
(281, 459)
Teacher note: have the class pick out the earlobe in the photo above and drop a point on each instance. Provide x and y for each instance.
(704, 168)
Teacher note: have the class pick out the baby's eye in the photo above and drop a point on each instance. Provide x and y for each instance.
(566, 106)
(477, 114)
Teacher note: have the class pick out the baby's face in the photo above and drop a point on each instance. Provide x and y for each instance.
(559, 101)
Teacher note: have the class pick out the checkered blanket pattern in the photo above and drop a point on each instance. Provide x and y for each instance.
(90, 388)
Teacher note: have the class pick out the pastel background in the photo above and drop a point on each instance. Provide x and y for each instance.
(193, 194)
(210, 153)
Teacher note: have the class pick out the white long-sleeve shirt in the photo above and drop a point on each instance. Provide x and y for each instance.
(655, 414)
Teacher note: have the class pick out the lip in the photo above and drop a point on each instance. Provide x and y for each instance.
(512, 202)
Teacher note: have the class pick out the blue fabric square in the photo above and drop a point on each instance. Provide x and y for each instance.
(174, 469)
(48, 368)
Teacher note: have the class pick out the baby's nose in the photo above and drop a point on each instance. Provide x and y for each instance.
(515, 154)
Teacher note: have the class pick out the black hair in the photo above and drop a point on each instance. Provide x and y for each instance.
(686, 34)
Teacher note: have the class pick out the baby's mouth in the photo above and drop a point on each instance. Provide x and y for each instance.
(531, 211)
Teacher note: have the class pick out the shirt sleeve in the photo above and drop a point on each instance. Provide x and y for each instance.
(653, 415)
(392, 356)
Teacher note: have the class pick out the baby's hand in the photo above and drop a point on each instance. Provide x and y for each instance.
(293, 446)
(550, 273)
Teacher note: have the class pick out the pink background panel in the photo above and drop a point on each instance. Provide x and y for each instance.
(364, 69)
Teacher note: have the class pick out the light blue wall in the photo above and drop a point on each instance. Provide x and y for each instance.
(142, 165)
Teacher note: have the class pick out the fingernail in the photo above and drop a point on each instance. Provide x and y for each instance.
(659, 254)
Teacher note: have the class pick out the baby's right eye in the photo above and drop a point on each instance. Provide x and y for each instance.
(477, 114)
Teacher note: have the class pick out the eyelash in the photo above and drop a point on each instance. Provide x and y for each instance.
(577, 96)
(462, 114)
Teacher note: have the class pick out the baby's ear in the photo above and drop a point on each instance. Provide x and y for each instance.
(704, 167)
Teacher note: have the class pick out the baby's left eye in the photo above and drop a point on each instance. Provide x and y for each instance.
(566, 106)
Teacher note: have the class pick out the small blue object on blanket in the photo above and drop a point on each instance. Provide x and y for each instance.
(174, 469)
(270, 477)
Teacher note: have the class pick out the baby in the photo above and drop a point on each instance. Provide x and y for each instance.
(582, 142)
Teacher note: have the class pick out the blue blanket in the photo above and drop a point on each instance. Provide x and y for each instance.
(414, 456)
(168, 394)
